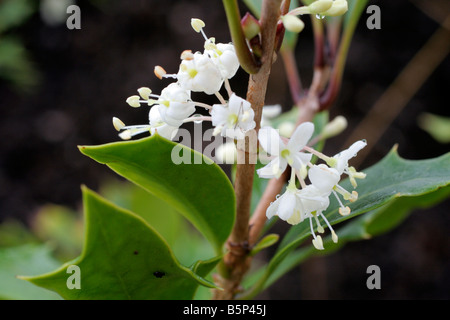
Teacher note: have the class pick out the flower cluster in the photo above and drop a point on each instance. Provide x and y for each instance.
(308, 201)
(207, 72)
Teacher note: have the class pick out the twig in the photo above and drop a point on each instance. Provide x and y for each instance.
(236, 261)
(396, 97)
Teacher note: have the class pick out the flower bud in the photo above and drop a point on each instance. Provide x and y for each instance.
(159, 72)
(286, 129)
(334, 127)
(250, 26)
(292, 23)
(338, 8)
(320, 6)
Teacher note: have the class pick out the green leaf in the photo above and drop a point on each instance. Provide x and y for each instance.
(25, 259)
(201, 192)
(389, 179)
(124, 258)
(171, 225)
(264, 243)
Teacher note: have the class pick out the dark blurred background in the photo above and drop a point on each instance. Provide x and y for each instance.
(60, 88)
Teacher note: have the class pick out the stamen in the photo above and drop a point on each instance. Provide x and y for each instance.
(118, 124)
(125, 135)
(134, 101)
(333, 234)
(145, 92)
(312, 228)
(319, 226)
(159, 72)
(187, 55)
(343, 211)
(352, 197)
(197, 24)
(131, 131)
(317, 241)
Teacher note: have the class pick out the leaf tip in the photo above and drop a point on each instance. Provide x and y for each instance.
(395, 148)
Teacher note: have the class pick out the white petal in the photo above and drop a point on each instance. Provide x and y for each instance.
(219, 114)
(272, 209)
(344, 156)
(267, 172)
(270, 141)
(313, 199)
(323, 177)
(287, 205)
(301, 136)
(300, 159)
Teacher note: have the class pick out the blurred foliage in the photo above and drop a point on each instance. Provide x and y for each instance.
(437, 126)
(16, 67)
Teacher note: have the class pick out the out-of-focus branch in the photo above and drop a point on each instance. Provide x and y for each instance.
(399, 93)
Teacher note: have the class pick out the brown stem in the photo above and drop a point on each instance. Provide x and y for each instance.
(236, 262)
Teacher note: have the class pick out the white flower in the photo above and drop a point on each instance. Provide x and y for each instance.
(284, 154)
(199, 73)
(158, 125)
(326, 180)
(223, 55)
(340, 161)
(323, 177)
(286, 207)
(296, 205)
(234, 119)
(175, 105)
(314, 202)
